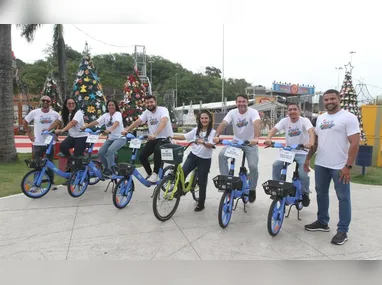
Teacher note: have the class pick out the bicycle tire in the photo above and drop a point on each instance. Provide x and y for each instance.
(158, 191)
(116, 202)
(195, 185)
(221, 212)
(72, 178)
(271, 231)
(26, 193)
(170, 168)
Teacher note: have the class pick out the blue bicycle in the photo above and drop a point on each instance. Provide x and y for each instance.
(86, 169)
(234, 187)
(281, 192)
(36, 183)
(126, 171)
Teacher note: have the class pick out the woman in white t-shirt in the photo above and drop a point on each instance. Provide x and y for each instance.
(201, 153)
(114, 127)
(73, 120)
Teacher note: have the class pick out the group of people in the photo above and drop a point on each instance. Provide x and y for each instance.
(335, 130)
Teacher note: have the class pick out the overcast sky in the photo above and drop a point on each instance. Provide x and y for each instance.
(263, 42)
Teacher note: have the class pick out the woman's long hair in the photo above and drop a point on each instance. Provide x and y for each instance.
(65, 112)
(115, 104)
(200, 126)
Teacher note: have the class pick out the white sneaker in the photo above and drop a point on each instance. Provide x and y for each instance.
(153, 178)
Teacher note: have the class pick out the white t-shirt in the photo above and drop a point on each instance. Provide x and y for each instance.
(42, 121)
(75, 132)
(243, 127)
(198, 149)
(108, 121)
(153, 120)
(333, 131)
(295, 133)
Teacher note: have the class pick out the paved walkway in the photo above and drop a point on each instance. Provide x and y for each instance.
(58, 226)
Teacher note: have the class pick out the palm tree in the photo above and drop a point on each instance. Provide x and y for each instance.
(29, 31)
(7, 147)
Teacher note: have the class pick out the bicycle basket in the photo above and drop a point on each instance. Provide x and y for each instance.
(81, 161)
(227, 183)
(35, 163)
(279, 188)
(172, 153)
(125, 169)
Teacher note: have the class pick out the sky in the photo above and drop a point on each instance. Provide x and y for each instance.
(289, 41)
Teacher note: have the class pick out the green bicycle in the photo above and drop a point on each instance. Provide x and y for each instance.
(173, 186)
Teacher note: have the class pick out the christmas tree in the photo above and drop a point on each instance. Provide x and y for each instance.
(349, 101)
(133, 103)
(50, 89)
(87, 90)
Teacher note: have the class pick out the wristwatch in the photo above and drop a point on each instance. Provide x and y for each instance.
(348, 166)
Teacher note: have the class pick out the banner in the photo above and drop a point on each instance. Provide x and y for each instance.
(293, 89)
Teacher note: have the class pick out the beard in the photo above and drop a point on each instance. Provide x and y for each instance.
(331, 107)
(151, 108)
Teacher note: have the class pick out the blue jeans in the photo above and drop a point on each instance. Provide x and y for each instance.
(252, 156)
(108, 150)
(323, 177)
(304, 177)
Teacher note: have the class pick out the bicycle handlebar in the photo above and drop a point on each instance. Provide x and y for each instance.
(287, 147)
(236, 143)
(46, 132)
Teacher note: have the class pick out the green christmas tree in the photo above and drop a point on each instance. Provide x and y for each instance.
(87, 90)
(133, 104)
(50, 89)
(349, 100)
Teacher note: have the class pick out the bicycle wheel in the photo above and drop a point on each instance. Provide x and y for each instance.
(75, 187)
(122, 195)
(168, 184)
(95, 179)
(169, 169)
(195, 189)
(225, 209)
(28, 184)
(275, 217)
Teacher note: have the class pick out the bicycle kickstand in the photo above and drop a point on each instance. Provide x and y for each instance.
(113, 184)
(237, 201)
(290, 208)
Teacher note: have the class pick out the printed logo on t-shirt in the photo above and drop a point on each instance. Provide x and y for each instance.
(326, 124)
(241, 123)
(153, 121)
(45, 120)
(294, 132)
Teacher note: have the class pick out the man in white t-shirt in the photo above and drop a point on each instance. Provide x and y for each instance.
(246, 126)
(160, 129)
(44, 118)
(337, 144)
(298, 130)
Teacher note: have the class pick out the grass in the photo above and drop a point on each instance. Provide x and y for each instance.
(373, 174)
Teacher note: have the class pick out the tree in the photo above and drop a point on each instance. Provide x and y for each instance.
(213, 72)
(349, 101)
(7, 147)
(87, 90)
(50, 89)
(133, 103)
(29, 31)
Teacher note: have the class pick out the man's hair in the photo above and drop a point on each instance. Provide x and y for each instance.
(245, 96)
(148, 97)
(293, 104)
(332, 91)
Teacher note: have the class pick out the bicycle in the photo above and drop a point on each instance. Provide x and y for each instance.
(86, 168)
(173, 154)
(40, 167)
(233, 187)
(126, 171)
(281, 192)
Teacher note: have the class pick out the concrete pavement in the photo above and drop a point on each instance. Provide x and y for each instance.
(58, 227)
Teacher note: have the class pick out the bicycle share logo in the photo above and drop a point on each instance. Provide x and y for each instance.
(294, 132)
(241, 123)
(327, 124)
(153, 121)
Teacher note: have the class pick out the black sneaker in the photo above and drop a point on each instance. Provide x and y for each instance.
(305, 200)
(107, 173)
(252, 196)
(199, 208)
(317, 226)
(340, 238)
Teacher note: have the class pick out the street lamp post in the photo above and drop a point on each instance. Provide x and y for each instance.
(151, 73)
(338, 79)
(176, 90)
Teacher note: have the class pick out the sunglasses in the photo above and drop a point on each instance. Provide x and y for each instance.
(110, 123)
(45, 101)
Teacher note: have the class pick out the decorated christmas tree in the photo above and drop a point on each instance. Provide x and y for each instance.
(349, 101)
(87, 90)
(50, 89)
(133, 104)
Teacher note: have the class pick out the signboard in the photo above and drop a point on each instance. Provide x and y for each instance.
(293, 89)
(263, 99)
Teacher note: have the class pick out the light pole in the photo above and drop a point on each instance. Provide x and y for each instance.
(176, 90)
(338, 80)
(351, 55)
(223, 73)
(151, 73)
